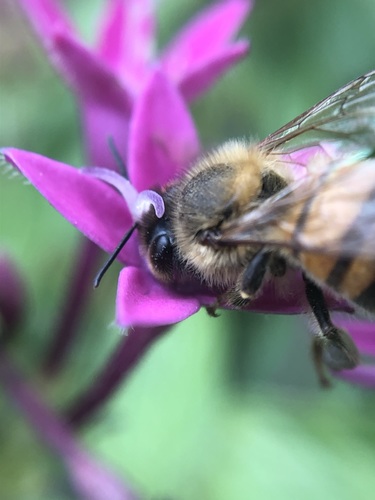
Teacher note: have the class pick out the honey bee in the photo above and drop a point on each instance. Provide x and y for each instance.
(239, 217)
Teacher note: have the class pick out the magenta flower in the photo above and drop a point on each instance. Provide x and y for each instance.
(362, 333)
(161, 145)
(126, 94)
(108, 78)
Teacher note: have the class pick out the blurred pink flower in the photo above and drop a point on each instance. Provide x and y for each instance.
(141, 103)
(362, 333)
(108, 77)
(161, 145)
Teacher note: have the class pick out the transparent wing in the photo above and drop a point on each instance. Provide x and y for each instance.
(346, 116)
(331, 211)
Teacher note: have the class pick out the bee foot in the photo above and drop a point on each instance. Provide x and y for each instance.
(211, 310)
(339, 350)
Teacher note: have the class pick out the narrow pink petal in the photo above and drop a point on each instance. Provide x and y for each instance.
(106, 104)
(304, 156)
(142, 301)
(162, 140)
(89, 76)
(363, 375)
(289, 297)
(199, 77)
(46, 17)
(126, 41)
(102, 121)
(205, 36)
(363, 333)
(92, 206)
(300, 159)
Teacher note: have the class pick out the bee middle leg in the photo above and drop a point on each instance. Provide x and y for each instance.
(332, 346)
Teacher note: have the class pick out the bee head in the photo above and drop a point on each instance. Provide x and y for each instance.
(157, 244)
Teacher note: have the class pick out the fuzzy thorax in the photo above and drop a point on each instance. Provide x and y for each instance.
(221, 186)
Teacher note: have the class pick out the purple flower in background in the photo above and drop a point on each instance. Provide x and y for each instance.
(108, 78)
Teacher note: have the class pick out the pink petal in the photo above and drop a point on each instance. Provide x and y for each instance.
(142, 301)
(363, 333)
(46, 17)
(204, 37)
(92, 206)
(102, 121)
(162, 140)
(289, 297)
(106, 103)
(363, 375)
(126, 41)
(89, 76)
(200, 77)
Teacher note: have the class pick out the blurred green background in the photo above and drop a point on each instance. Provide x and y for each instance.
(218, 409)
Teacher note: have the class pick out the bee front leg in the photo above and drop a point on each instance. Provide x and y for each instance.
(250, 280)
(253, 276)
(332, 346)
(248, 284)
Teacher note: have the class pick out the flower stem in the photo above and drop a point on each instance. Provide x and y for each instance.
(90, 479)
(131, 348)
(71, 312)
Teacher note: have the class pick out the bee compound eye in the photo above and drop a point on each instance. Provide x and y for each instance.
(161, 252)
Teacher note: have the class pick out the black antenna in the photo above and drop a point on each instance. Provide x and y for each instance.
(117, 250)
(116, 155)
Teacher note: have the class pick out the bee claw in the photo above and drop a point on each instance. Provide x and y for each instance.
(211, 311)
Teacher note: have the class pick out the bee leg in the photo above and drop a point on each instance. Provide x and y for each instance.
(230, 298)
(332, 346)
(248, 285)
(252, 277)
(211, 310)
(317, 355)
(277, 266)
